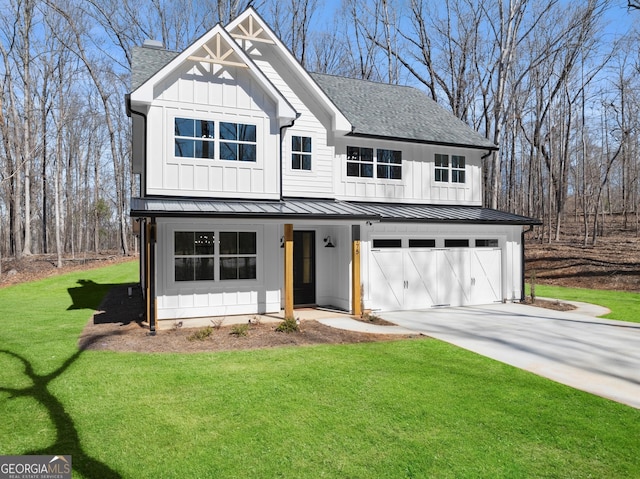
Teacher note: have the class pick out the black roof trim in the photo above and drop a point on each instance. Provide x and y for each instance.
(423, 142)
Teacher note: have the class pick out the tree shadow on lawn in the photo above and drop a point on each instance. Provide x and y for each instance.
(88, 296)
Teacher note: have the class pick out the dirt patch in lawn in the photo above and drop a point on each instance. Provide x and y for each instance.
(118, 326)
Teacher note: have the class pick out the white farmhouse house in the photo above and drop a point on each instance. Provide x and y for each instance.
(264, 186)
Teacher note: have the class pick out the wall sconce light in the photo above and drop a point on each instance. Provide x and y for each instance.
(328, 243)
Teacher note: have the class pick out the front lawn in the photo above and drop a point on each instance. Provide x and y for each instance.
(412, 408)
(624, 306)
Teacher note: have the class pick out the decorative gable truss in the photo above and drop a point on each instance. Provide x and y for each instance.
(218, 52)
(216, 47)
(249, 28)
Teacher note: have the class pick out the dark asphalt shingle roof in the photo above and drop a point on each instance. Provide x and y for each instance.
(374, 109)
(322, 209)
(145, 61)
(381, 109)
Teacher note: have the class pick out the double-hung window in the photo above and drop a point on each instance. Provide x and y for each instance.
(389, 164)
(301, 153)
(360, 161)
(457, 169)
(453, 171)
(237, 142)
(442, 168)
(194, 138)
(197, 139)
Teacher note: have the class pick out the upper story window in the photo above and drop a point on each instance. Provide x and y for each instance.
(457, 169)
(237, 142)
(389, 164)
(360, 162)
(453, 171)
(197, 139)
(442, 168)
(194, 138)
(301, 153)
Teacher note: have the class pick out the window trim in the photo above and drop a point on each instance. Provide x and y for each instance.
(375, 164)
(216, 139)
(217, 256)
(360, 162)
(301, 153)
(448, 173)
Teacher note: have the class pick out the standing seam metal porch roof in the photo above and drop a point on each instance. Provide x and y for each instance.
(293, 208)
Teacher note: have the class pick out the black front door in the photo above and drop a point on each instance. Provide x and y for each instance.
(304, 267)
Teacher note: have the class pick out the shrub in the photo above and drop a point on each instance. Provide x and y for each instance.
(201, 334)
(240, 330)
(289, 325)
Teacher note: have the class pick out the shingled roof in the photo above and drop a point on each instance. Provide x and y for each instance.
(145, 61)
(384, 110)
(374, 109)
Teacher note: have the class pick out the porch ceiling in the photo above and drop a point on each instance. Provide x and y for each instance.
(293, 208)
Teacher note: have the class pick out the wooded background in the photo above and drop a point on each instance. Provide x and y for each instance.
(549, 81)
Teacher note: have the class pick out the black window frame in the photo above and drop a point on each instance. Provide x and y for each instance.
(301, 156)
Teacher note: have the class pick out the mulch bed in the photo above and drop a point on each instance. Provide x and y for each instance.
(118, 326)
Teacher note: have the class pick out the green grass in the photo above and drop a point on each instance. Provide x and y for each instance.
(624, 306)
(417, 408)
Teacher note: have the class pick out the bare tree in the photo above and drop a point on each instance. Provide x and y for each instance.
(291, 21)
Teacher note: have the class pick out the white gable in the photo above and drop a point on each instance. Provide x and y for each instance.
(249, 28)
(215, 48)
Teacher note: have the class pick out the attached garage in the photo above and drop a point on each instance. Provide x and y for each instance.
(402, 276)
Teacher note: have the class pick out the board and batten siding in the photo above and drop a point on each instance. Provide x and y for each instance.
(210, 93)
(313, 122)
(417, 184)
(192, 299)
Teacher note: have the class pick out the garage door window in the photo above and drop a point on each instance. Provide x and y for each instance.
(486, 243)
(387, 243)
(456, 243)
(422, 243)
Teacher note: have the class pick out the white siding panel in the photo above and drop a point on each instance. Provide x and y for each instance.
(228, 94)
(201, 178)
(172, 177)
(417, 183)
(186, 177)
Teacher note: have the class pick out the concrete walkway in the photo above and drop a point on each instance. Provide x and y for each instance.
(350, 324)
(596, 355)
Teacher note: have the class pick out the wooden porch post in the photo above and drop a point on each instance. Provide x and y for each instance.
(356, 289)
(288, 271)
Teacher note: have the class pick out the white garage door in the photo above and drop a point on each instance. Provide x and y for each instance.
(402, 278)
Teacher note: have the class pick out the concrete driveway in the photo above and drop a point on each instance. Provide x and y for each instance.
(596, 355)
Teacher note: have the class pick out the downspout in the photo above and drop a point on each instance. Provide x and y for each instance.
(143, 177)
(484, 172)
(282, 128)
(130, 111)
(153, 238)
(523, 279)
